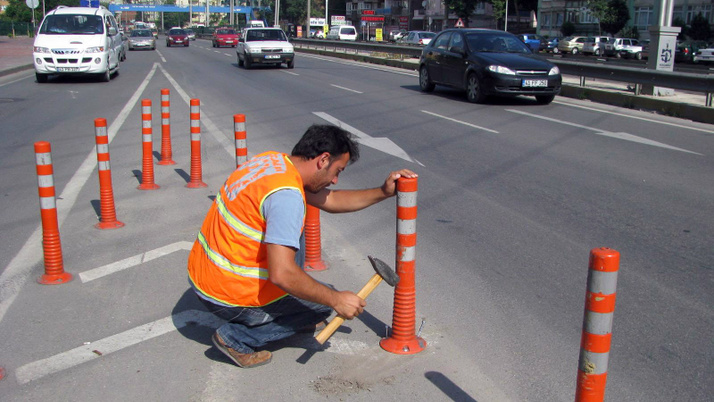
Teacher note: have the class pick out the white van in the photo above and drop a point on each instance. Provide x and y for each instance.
(342, 32)
(77, 40)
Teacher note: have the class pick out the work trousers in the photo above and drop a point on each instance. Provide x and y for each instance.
(251, 328)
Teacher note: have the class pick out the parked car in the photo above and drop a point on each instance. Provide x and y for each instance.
(623, 47)
(397, 34)
(704, 56)
(421, 38)
(191, 33)
(532, 40)
(594, 45)
(552, 46)
(686, 49)
(317, 34)
(224, 37)
(487, 62)
(645, 48)
(77, 40)
(142, 39)
(264, 46)
(342, 32)
(571, 44)
(176, 36)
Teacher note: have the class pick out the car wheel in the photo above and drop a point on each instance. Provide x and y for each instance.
(544, 99)
(291, 64)
(213, 44)
(598, 53)
(41, 78)
(473, 89)
(575, 50)
(106, 76)
(425, 83)
(556, 50)
(638, 56)
(186, 45)
(240, 62)
(247, 63)
(618, 55)
(168, 44)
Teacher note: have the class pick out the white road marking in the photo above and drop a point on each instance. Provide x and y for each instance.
(114, 343)
(620, 136)
(460, 122)
(394, 70)
(346, 89)
(133, 261)
(163, 59)
(289, 72)
(381, 144)
(634, 117)
(17, 272)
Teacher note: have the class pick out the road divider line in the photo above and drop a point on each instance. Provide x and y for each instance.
(460, 122)
(346, 89)
(619, 136)
(133, 261)
(114, 343)
(17, 272)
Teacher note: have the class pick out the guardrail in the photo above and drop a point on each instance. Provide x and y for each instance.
(701, 83)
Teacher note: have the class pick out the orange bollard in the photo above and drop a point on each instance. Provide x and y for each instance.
(196, 169)
(597, 325)
(241, 139)
(147, 145)
(403, 339)
(166, 153)
(108, 218)
(2, 373)
(313, 243)
(54, 267)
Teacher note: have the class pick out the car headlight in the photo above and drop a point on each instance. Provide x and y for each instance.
(40, 49)
(554, 71)
(94, 49)
(501, 70)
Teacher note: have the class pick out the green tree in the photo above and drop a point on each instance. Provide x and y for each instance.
(499, 9)
(617, 17)
(678, 22)
(567, 29)
(600, 9)
(699, 28)
(462, 8)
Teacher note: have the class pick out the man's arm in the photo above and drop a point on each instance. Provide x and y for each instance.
(337, 201)
(285, 274)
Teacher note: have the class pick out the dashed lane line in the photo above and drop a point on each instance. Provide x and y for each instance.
(460, 122)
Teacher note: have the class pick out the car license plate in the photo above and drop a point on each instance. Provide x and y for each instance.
(179, 41)
(534, 83)
(67, 69)
(272, 56)
(229, 41)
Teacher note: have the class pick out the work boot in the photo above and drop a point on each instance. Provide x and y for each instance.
(244, 360)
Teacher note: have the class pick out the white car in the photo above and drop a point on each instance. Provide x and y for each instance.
(264, 46)
(704, 55)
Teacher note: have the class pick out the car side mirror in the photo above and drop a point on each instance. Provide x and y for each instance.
(112, 31)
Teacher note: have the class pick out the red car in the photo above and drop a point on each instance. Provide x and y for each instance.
(177, 37)
(225, 37)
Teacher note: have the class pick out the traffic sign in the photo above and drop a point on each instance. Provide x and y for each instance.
(459, 24)
(32, 3)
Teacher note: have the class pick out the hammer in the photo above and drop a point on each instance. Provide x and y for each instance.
(383, 271)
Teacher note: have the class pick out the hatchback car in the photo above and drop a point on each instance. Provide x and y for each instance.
(532, 40)
(191, 34)
(225, 37)
(487, 62)
(686, 49)
(571, 44)
(704, 56)
(623, 47)
(265, 46)
(594, 45)
(176, 36)
(421, 38)
(142, 39)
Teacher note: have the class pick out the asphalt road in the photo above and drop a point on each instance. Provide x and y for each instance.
(512, 197)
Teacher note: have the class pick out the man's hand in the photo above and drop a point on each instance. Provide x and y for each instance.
(349, 305)
(389, 188)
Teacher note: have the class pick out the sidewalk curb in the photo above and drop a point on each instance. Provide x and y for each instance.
(17, 69)
(696, 113)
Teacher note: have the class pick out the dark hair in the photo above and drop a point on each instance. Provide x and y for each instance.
(326, 138)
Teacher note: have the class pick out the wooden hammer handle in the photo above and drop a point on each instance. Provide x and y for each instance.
(330, 329)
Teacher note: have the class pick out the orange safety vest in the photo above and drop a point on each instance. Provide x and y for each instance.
(229, 262)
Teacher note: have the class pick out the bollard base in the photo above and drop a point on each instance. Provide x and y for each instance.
(167, 162)
(314, 266)
(403, 347)
(2, 373)
(109, 225)
(198, 184)
(54, 279)
(148, 187)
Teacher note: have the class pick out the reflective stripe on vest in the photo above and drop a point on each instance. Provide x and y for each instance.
(224, 263)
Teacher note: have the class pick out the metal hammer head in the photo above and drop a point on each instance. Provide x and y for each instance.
(384, 270)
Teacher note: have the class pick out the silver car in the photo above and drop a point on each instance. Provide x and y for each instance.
(142, 39)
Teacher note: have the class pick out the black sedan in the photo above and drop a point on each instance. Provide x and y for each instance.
(487, 62)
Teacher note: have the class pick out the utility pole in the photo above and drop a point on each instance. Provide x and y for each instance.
(663, 43)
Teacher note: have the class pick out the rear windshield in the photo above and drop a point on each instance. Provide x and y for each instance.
(254, 35)
(348, 31)
(72, 24)
(226, 32)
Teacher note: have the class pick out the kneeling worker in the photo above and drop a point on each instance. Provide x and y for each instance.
(246, 264)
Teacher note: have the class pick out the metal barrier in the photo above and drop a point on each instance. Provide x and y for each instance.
(701, 83)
